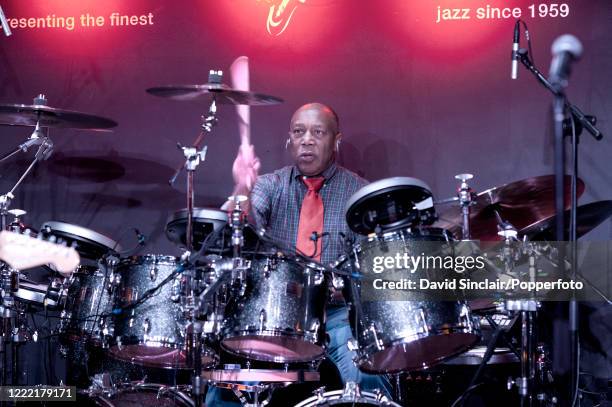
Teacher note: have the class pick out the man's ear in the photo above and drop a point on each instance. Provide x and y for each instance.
(337, 141)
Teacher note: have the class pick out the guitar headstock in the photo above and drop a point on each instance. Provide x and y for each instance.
(22, 252)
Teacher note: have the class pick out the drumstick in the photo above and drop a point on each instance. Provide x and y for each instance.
(239, 71)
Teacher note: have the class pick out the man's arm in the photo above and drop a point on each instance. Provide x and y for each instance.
(244, 171)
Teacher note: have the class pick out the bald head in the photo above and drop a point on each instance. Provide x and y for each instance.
(325, 110)
(314, 133)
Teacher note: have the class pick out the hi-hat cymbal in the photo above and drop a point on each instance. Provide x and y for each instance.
(520, 203)
(222, 93)
(588, 217)
(46, 116)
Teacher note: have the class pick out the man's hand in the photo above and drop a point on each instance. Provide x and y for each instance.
(245, 169)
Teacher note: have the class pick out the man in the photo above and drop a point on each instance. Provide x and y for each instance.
(295, 201)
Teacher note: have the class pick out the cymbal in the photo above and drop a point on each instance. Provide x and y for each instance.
(46, 116)
(222, 93)
(588, 217)
(520, 203)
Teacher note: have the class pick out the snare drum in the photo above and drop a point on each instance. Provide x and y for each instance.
(280, 317)
(397, 335)
(153, 332)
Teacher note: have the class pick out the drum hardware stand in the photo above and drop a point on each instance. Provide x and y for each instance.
(560, 106)
(527, 383)
(465, 195)
(237, 222)
(45, 149)
(255, 390)
(194, 155)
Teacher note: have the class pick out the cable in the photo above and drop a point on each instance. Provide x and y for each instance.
(528, 37)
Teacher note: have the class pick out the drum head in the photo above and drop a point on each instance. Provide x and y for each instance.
(390, 203)
(419, 354)
(89, 244)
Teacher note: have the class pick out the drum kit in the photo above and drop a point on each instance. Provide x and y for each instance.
(233, 293)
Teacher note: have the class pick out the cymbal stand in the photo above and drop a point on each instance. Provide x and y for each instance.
(194, 155)
(45, 150)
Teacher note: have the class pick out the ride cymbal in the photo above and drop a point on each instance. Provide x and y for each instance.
(220, 92)
(46, 116)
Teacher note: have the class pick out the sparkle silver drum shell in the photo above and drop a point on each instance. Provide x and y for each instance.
(153, 332)
(397, 335)
(89, 304)
(281, 316)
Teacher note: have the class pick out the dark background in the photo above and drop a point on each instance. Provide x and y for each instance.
(415, 97)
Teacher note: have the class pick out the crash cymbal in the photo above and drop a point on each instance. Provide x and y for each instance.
(222, 93)
(588, 217)
(46, 116)
(520, 203)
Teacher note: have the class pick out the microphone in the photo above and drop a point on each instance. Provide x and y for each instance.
(515, 48)
(565, 50)
(5, 25)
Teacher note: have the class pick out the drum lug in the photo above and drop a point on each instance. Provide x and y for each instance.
(380, 396)
(262, 320)
(372, 330)
(337, 282)
(319, 277)
(146, 326)
(320, 394)
(351, 391)
(153, 273)
(115, 279)
(176, 291)
(314, 327)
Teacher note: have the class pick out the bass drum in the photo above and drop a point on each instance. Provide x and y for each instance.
(351, 396)
(137, 395)
(395, 334)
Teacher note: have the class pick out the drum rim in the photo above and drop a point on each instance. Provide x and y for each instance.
(198, 213)
(274, 333)
(141, 259)
(362, 357)
(83, 233)
(366, 396)
(376, 188)
(382, 184)
(136, 386)
(206, 351)
(358, 246)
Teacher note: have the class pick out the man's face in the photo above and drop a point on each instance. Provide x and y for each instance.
(313, 134)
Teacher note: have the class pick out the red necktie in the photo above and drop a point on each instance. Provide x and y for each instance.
(311, 218)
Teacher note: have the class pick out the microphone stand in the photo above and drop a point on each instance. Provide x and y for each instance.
(561, 106)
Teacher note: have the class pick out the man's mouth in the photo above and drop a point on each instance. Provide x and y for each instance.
(307, 156)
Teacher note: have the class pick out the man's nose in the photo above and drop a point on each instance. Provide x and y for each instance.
(308, 138)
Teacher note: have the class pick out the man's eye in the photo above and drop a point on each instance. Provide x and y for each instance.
(298, 132)
(319, 132)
